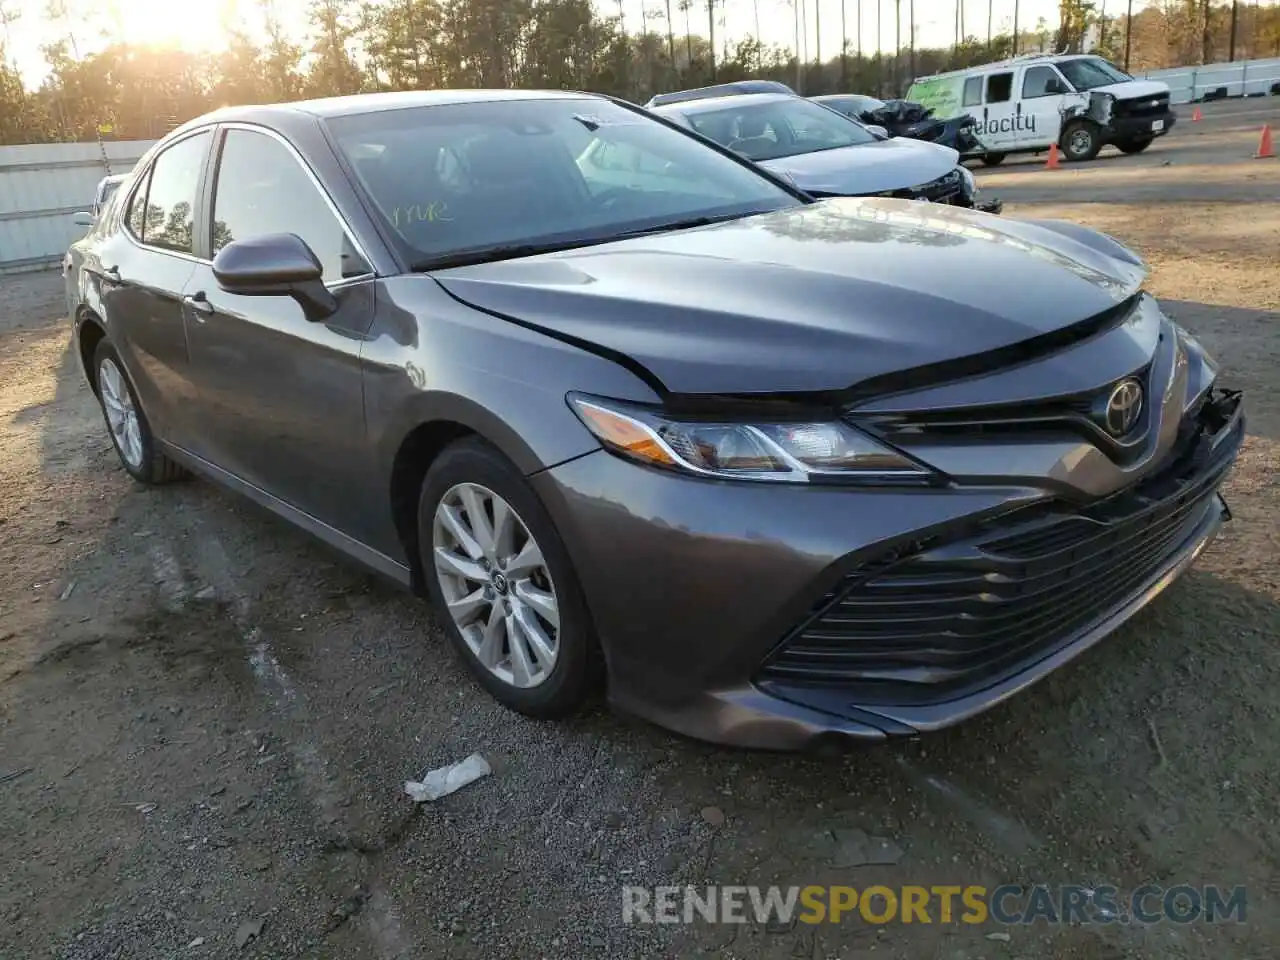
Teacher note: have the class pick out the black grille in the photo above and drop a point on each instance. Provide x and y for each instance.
(959, 615)
(1154, 106)
(948, 188)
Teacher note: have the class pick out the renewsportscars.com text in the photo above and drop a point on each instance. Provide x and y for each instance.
(1008, 904)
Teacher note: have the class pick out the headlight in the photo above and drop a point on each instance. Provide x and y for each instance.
(968, 179)
(793, 451)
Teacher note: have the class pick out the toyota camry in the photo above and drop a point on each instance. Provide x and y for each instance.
(640, 417)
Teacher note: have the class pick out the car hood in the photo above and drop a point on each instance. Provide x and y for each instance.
(816, 298)
(1132, 89)
(868, 168)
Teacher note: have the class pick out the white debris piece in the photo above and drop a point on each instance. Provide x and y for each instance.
(445, 780)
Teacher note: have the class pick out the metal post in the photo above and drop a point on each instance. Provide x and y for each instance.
(911, 26)
(817, 38)
(795, 5)
(897, 43)
(1015, 27)
(1128, 35)
(1234, 13)
(711, 26)
(844, 47)
(990, 4)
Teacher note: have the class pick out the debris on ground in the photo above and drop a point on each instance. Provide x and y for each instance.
(855, 848)
(445, 780)
(249, 930)
(15, 774)
(197, 942)
(67, 591)
(206, 593)
(1001, 937)
(145, 808)
(347, 909)
(713, 816)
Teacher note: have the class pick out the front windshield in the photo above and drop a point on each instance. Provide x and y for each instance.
(463, 177)
(779, 128)
(1086, 73)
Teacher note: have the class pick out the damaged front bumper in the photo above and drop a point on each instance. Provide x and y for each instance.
(812, 618)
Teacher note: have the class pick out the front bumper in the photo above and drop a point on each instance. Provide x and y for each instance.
(1140, 128)
(722, 582)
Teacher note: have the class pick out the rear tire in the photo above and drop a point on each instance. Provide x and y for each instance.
(1081, 141)
(510, 602)
(1134, 146)
(993, 159)
(127, 423)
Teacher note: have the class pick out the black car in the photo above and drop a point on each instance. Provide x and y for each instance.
(769, 470)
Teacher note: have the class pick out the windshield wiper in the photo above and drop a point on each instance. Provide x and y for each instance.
(688, 224)
(466, 258)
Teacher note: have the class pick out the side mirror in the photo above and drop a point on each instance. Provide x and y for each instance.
(82, 219)
(878, 130)
(275, 265)
(1056, 86)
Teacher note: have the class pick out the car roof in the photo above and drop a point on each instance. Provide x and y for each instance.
(716, 90)
(832, 97)
(360, 103)
(1026, 58)
(710, 104)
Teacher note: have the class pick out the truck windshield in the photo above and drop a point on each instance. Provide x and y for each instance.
(1086, 73)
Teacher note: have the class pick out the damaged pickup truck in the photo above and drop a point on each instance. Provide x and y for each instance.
(1024, 105)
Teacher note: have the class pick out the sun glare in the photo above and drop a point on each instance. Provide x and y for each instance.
(194, 24)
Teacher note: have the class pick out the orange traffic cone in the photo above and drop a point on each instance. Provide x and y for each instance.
(1264, 144)
(1052, 162)
(1195, 115)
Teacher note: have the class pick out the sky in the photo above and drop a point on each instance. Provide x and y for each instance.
(196, 24)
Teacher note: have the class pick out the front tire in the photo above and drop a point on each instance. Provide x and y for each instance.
(1081, 141)
(1133, 146)
(993, 159)
(500, 575)
(127, 423)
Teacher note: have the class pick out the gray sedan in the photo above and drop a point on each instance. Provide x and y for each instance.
(640, 417)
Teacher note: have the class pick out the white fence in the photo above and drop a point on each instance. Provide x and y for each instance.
(42, 186)
(1240, 79)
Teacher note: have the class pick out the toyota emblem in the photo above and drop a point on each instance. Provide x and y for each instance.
(1124, 407)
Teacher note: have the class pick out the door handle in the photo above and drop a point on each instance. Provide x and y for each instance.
(198, 302)
(1019, 108)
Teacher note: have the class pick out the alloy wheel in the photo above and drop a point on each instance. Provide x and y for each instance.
(122, 415)
(1081, 141)
(496, 585)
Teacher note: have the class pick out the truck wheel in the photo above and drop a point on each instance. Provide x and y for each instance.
(1081, 141)
(1133, 146)
(993, 159)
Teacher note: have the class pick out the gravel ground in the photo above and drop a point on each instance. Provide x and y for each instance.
(206, 718)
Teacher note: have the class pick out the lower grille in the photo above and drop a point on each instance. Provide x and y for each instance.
(1143, 107)
(959, 615)
(949, 188)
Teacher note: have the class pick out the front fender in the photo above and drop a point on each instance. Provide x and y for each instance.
(430, 359)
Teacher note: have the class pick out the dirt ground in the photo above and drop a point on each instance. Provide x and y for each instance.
(206, 718)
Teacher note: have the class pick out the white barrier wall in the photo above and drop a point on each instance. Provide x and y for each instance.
(42, 186)
(1240, 79)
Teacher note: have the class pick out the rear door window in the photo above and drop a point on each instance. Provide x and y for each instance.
(972, 92)
(169, 221)
(999, 87)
